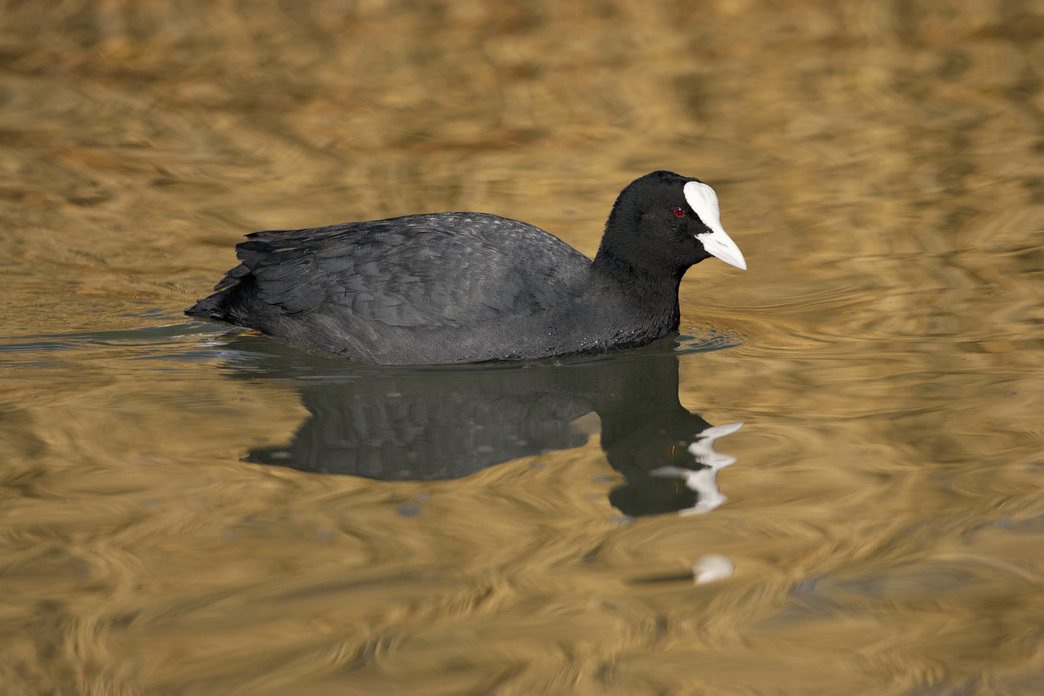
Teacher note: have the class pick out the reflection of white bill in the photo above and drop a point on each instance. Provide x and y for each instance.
(703, 481)
(713, 566)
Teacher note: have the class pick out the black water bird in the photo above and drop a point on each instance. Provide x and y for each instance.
(473, 287)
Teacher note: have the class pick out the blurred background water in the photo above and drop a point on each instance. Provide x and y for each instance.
(187, 512)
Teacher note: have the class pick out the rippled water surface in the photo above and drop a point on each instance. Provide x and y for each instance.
(188, 511)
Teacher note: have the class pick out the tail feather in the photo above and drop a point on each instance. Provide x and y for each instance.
(217, 305)
(213, 307)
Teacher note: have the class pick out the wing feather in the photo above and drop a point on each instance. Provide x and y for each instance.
(443, 270)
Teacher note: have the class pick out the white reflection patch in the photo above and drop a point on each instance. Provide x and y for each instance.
(704, 480)
(711, 568)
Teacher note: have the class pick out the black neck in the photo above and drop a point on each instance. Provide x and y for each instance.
(652, 294)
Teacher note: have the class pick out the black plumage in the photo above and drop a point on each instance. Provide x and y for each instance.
(471, 287)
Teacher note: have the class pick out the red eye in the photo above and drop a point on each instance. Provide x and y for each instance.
(679, 212)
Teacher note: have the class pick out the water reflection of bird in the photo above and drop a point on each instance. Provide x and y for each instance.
(394, 423)
(703, 478)
(472, 287)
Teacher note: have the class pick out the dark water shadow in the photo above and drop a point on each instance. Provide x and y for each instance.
(437, 423)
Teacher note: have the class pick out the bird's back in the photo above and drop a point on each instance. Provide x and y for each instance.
(446, 287)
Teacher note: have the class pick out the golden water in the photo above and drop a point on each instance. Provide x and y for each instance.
(880, 164)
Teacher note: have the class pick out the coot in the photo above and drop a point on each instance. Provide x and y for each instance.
(473, 287)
